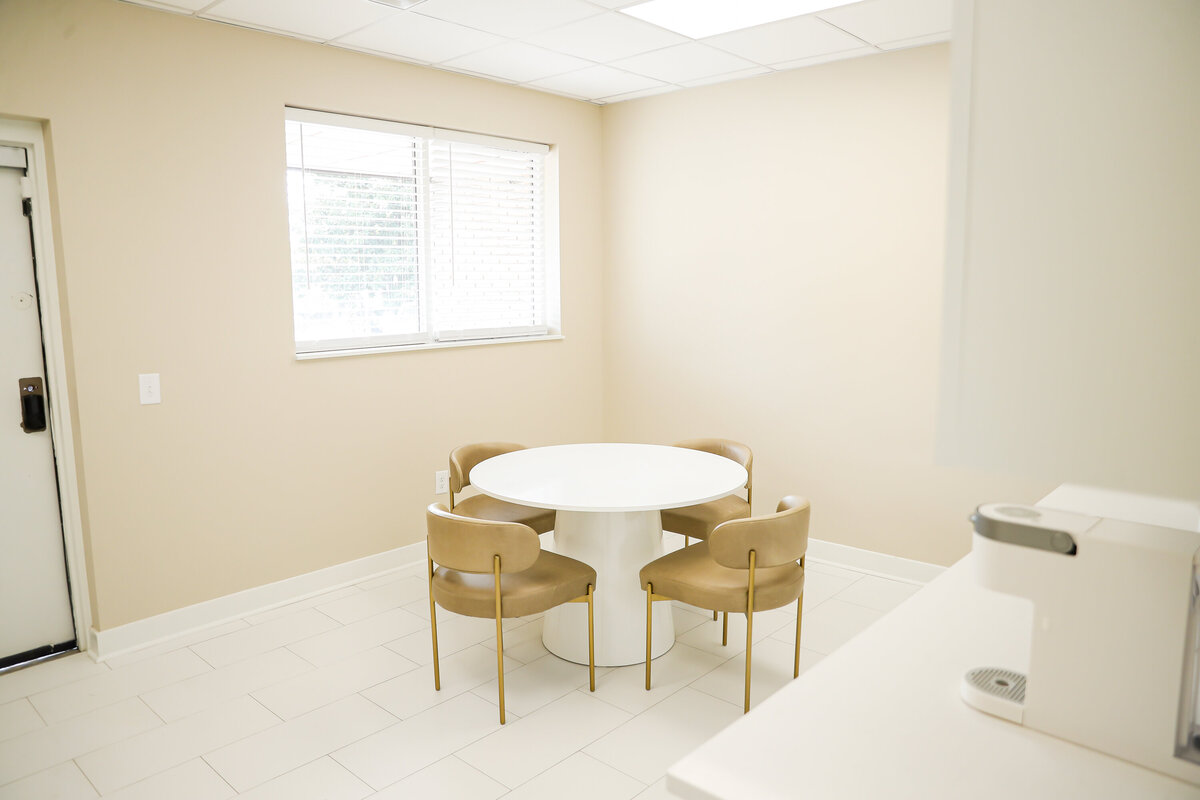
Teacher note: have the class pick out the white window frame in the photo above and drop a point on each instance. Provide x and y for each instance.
(427, 339)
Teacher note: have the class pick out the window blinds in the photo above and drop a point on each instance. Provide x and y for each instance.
(487, 264)
(402, 234)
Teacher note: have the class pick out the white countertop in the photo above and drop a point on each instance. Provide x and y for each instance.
(608, 477)
(882, 718)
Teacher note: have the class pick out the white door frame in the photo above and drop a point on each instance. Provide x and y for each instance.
(21, 133)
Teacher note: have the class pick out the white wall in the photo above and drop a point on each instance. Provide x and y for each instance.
(1073, 328)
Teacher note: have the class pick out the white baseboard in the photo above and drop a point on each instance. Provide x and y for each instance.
(107, 643)
(882, 564)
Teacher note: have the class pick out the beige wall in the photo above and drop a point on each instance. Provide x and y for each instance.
(767, 265)
(775, 254)
(1074, 325)
(166, 136)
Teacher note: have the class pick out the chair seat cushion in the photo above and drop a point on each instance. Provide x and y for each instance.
(481, 506)
(699, 521)
(553, 579)
(692, 576)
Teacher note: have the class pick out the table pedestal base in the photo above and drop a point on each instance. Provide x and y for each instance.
(617, 545)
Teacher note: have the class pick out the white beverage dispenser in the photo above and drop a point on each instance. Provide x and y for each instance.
(1115, 643)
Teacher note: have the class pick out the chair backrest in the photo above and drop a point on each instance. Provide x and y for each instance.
(470, 545)
(776, 539)
(463, 460)
(727, 448)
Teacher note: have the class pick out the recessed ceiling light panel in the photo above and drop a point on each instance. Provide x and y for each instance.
(701, 18)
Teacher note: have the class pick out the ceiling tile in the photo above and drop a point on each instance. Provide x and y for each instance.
(473, 74)
(595, 82)
(617, 98)
(916, 41)
(560, 40)
(517, 61)
(786, 40)
(866, 50)
(510, 18)
(377, 53)
(699, 19)
(683, 62)
(186, 6)
(316, 19)
(879, 21)
(418, 38)
(728, 76)
(555, 91)
(606, 38)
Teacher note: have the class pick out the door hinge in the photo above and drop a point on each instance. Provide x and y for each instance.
(27, 197)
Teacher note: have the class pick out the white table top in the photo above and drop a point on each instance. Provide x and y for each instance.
(608, 477)
(882, 718)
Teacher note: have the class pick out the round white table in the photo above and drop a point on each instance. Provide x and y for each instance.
(607, 499)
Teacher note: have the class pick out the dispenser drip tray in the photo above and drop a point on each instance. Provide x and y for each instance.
(996, 691)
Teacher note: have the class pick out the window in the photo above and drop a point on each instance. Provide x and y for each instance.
(406, 236)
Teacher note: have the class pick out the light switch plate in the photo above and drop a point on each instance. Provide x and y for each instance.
(149, 391)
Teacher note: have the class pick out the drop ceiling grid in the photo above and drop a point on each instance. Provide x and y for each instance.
(583, 49)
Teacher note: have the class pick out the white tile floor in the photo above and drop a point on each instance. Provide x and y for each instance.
(332, 698)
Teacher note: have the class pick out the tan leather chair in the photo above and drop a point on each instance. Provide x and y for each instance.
(481, 506)
(697, 522)
(746, 565)
(498, 569)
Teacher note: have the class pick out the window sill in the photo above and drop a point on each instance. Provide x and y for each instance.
(407, 348)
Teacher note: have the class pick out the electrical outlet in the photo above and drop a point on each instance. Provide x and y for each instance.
(441, 481)
(149, 391)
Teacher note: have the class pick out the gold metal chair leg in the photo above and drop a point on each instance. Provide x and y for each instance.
(749, 629)
(649, 627)
(592, 641)
(714, 616)
(725, 629)
(499, 635)
(799, 613)
(687, 540)
(437, 676)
